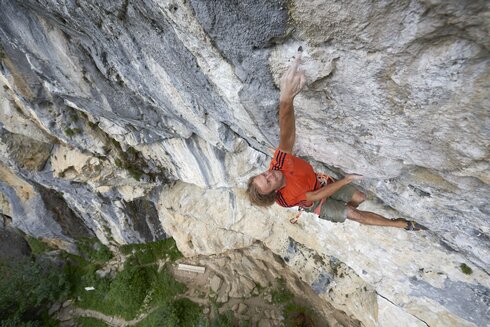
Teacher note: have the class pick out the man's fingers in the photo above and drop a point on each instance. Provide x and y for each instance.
(296, 62)
(302, 80)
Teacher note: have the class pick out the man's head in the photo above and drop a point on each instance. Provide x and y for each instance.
(262, 188)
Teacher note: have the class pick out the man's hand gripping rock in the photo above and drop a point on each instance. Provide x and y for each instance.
(293, 80)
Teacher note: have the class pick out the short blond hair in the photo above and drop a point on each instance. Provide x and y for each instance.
(257, 198)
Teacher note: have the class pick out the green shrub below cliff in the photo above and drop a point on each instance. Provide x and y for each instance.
(93, 250)
(181, 313)
(27, 288)
(151, 252)
(125, 293)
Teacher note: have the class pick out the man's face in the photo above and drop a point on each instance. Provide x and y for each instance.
(268, 181)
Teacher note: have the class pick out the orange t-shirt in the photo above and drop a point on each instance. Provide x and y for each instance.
(300, 178)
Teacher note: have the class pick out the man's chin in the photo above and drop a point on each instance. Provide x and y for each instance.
(278, 179)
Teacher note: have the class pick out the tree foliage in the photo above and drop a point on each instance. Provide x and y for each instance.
(27, 286)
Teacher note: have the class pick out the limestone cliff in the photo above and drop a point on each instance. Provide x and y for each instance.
(138, 120)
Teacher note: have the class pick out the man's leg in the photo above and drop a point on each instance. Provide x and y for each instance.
(350, 195)
(371, 218)
(357, 198)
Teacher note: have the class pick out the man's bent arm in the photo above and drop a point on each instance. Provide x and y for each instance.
(330, 189)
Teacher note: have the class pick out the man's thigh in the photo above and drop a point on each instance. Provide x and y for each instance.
(345, 194)
(334, 210)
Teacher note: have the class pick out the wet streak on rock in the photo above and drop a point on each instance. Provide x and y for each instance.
(202, 161)
(469, 301)
(70, 223)
(144, 218)
(28, 153)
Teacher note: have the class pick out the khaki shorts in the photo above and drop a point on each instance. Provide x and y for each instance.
(335, 207)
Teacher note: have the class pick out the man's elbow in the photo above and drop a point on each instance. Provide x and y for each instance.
(311, 196)
(287, 144)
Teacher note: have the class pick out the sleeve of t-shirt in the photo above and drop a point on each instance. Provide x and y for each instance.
(277, 162)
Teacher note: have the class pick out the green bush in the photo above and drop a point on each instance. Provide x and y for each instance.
(37, 245)
(77, 269)
(124, 295)
(93, 250)
(151, 252)
(466, 269)
(128, 290)
(72, 131)
(165, 288)
(281, 295)
(224, 320)
(135, 172)
(179, 313)
(28, 287)
(297, 315)
(16, 322)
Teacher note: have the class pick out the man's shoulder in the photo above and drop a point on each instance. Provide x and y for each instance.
(282, 201)
(280, 159)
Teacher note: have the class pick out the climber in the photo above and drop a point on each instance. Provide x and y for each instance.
(291, 181)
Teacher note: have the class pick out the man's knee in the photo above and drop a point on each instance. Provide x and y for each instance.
(358, 197)
(354, 214)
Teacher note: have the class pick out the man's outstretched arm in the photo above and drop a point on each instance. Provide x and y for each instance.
(292, 82)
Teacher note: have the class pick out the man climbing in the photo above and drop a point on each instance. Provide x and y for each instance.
(291, 181)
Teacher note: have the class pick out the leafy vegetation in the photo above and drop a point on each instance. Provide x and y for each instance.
(37, 245)
(151, 252)
(27, 287)
(135, 172)
(281, 295)
(466, 269)
(131, 160)
(295, 314)
(225, 320)
(72, 131)
(124, 294)
(179, 313)
(93, 250)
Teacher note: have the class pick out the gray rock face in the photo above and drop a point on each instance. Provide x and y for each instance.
(145, 219)
(244, 32)
(69, 222)
(141, 120)
(12, 245)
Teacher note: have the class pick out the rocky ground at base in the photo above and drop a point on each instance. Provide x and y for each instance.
(256, 285)
(252, 284)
